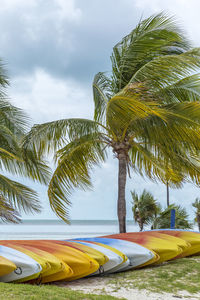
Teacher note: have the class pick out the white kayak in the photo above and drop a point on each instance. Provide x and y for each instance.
(26, 266)
(137, 254)
(114, 259)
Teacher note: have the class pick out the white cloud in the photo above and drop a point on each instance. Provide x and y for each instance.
(47, 98)
(187, 13)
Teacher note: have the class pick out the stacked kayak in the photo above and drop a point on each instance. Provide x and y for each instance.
(43, 261)
(165, 248)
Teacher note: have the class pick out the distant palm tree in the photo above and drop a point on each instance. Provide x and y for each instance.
(14, 160)
(196, 205)
(163, 219)
(146, 111)
(145, 208)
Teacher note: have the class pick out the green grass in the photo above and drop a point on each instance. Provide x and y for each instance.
(12, 291)
(175, 276)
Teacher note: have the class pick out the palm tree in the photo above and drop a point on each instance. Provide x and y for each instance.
(14, 160)
(163, 219)
(196, 205)
(145, 208)
(146, 111)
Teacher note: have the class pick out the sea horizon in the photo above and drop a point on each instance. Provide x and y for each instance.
(58, 229)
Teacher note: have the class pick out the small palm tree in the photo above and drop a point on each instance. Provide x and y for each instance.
(164, 218)
(196, 205)
(147, 111)
(145, 208)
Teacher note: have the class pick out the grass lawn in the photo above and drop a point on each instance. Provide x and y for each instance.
(178, 275)
(12, 291)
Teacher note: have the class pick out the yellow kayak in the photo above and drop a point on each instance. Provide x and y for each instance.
(95, 254)
(165, 249)
(183, 244)
(58, 271)
(79, 263)
(57, 267)
(63, 274)
(193, 238)
(6, 266)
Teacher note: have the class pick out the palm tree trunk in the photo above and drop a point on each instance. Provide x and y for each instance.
(141, 226)
(121, 204)
(198, 221)
(167, 194)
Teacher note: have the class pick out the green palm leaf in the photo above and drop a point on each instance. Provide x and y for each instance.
(101, 94)
(21, 196)
(7, 212)
(75, 161)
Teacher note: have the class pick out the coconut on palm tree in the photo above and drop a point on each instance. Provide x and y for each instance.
(145, 208)
(14, 160)
(196, 205)
(147, 111)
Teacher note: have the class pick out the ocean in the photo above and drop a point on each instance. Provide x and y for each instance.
(57, 229)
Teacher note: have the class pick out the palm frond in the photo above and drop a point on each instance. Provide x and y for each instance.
(13, 118)
(168, 69)
(153, 37)
(101, 94)
(22, 197)
(7, 212)
(75, 162)
(184, 90)
(49, 137)
(125, 108)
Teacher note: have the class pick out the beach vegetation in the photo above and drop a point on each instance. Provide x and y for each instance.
(145, 208)
(146, 110)
(45, 292)
(162, 220)
(177, 277)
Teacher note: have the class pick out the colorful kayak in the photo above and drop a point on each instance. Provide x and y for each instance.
(137, 254)
(58, 267)
(125, 261)
(184, 245)
(114, 259)
(191, 237)
(43, 262)
(95, 254)
(26, 266)
(80, 264)
(165, 249)
(6, 266)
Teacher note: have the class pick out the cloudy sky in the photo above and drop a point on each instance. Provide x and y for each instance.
(52, 50)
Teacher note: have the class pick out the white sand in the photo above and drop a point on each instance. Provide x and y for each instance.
(100, 286)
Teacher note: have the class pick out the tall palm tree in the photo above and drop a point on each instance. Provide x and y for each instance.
(147, 111)
(145, 208)
(14, 160)
(163, 219)
(196, 205)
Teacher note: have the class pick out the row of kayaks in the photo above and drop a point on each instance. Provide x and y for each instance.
(43, 261)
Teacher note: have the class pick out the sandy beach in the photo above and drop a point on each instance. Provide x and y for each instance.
(101, 285)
